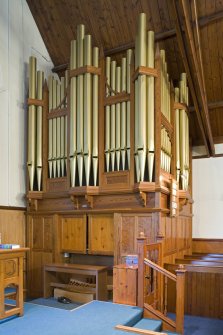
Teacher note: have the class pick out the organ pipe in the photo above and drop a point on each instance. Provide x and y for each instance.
(32, 123)
(123, 113)
(107, 115)
(95, 116)
(128, 86)
(87, 109)
(39, 126)
(80, 102)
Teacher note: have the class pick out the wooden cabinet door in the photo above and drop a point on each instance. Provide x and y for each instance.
(101, 234)
(74, 234)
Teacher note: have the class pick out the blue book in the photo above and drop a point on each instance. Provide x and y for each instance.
(9, 246)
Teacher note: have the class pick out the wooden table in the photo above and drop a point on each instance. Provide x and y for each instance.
(11, 273)
(51, 278)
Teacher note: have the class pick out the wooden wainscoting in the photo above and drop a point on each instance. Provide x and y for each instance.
(207, 245)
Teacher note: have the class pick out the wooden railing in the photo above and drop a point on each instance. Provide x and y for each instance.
(153, 282)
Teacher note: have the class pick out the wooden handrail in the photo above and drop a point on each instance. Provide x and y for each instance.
(161, 270)
(152, 275)
(138, 330)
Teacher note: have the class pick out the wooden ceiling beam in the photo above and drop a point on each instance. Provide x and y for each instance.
(184, 54)
(211, 105)
(196, 59)
(205, 20)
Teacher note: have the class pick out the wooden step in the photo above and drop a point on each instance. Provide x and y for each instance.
(149, 324)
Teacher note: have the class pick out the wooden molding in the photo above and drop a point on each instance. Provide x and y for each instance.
(35, 102)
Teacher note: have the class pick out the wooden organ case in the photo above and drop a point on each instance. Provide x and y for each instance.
(108, 157)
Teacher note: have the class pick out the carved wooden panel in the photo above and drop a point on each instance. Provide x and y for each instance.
(73, 234)
(101, 234)
(127, 229)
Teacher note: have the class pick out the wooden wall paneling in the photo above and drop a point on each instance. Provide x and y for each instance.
(203, 287)
(40, 240)
(207, 245)
(74, 233)
(101, 234)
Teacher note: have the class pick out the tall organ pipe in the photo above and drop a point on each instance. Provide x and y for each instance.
(80, 102)
(87, 109)
(95, 116)
(73, 115)
(31, 163)
(108, 115)
(150, 106)
(39, 126)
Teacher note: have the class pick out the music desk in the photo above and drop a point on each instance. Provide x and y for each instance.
(51, 279)
(11, 273)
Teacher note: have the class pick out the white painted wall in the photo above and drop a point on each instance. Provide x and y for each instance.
(208, 198)
(19, 39)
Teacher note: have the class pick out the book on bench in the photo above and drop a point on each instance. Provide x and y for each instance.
(9, 246)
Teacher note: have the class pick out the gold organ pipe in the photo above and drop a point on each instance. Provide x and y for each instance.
(87, 108)
(62, 139)
(177, 132)
(50, 129)
(182, 133)
(118, 118)
(73, 115)
(107, 115)
(54, 129)
(80, 102)
(32, 123)
(123, 113)
(95, 116)
(65, 120)
(113, 72)
(136, 112)
(58, 138)
(150, 106)
(128, 86)
(39, 126)
(142, 40)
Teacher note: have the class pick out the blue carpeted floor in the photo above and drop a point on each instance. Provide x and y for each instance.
(95, 318)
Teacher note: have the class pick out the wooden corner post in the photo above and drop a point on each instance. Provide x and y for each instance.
(141, 240)
(180, 283)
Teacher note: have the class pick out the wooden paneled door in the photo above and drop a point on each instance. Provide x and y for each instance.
(73, 233)
(101, 234)
(127, 229)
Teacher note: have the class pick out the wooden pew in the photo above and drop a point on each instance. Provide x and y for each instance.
(202, 262)
(203, 290)
(205, 257)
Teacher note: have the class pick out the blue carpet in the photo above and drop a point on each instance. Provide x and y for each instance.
(95, 318)
(52, 302)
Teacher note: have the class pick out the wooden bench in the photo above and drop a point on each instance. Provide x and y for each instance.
(51, 278)
(203, 290)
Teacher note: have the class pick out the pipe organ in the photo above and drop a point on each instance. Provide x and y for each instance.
(108, 156)
(97, 125)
